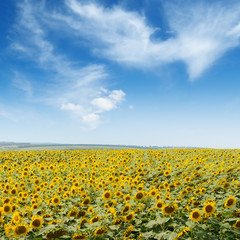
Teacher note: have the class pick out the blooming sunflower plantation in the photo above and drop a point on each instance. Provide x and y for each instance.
(120, 194)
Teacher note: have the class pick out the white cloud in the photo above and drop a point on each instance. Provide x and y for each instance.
(72, 86)
(91, 118)
(110, 102)
(103, 104)
(22, 83)
(91, 114)
(7, 114)
(202, 33)
(72, 107)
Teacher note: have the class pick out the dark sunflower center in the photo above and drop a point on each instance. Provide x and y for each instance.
(209, 208)
(230, 202)
(196, 215)
(100, 231)
(107, 195)
(7, 209)
(86, 201)
(139, 196)
(126, 208)
(79, 236)
(36, 223)
(169, 209)
(82, 213)
(129, 217)
(20, 230)
(95, 219)
(159, 205)
(73, 213)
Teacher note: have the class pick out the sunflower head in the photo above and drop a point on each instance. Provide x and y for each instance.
(20, 230)
(128, 231)
(36, 222)
(129, 217)
(100, 231)
(56, 200)
(86, 201)
(126, 208)
(107, 195)
(237, 224)
(159, 204)
(230, 202)
(94, 219)
(139, 195)
(195, 215)
(82, 222)
(209, 209)
(7, 208)
(169, 209)
(78, 236)
(127, 198)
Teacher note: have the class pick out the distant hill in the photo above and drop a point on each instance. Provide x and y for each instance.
(55, 146)
(5, 146)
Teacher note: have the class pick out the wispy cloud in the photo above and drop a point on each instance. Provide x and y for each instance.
(98, 105)
(22, 83)
(72, 86)
(7, 114)
(202, 33)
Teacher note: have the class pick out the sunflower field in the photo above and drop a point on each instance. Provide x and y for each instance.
(120, 194)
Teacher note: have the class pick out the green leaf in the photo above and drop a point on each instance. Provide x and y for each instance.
(162, 220)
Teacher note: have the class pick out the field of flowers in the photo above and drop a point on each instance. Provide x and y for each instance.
(120, 194)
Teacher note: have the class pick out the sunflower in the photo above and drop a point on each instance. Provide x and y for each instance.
(165, 184)
(195, 215)
(112, 203)
(139, 195)
(237, 224)
(36, 181)
(112, 211)
(16, 218)
(129, 217)
(209, 209)
(56, 200)
(159, 204)
(94, 219)
(230, 202)
(81, 213)
(20, 230)
(153, 193)
(182, 233)
(126, 208)
(86, 201)
(1, 212)
(127, 198)
(79, 236)
(34, 206)
(128, 231)
(100, 231)
(82, 222)
(169, 209)
(73, 213)
(7, 208)
(107, 195)
(118, 194)
(196, 203)
(36, 222)
(14, 191)
(167, 172)
(117, 221)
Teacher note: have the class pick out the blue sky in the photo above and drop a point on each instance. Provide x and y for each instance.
(146, 73)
